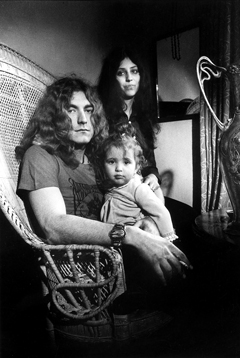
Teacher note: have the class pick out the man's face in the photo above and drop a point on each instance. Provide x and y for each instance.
(80, 111)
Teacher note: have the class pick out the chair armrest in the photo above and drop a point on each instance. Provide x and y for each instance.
(83, 279)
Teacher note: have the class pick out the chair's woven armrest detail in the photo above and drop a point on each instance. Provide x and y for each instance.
(83, 279)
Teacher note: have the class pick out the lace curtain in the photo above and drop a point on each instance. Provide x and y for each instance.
(220, 41)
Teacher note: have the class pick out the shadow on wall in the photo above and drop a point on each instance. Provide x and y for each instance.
(167, 182)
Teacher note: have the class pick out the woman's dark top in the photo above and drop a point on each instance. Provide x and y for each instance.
(144, 136)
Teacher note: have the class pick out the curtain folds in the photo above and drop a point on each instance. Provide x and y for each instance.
(220, 41)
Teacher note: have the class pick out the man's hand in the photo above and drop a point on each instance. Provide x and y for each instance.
(163, 257)
(166, 259)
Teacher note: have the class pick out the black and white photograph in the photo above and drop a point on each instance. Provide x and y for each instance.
(120, 179)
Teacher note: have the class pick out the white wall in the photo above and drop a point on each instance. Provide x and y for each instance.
(177, 79)
(60, 36)
(174, 153)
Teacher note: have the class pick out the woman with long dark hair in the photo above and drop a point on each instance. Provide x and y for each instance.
(125, 90)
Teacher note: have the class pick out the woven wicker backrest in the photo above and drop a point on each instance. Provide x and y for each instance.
(22, 84)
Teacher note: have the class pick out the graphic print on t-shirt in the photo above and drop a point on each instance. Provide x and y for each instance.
(87, 200)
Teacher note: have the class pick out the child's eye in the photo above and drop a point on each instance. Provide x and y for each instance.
(110, 162)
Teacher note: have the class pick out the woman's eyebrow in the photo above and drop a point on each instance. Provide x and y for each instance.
(124, 68)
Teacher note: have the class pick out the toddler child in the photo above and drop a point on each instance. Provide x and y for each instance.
(127, 197)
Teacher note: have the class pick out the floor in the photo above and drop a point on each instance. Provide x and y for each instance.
(208, 328)
(211, 333)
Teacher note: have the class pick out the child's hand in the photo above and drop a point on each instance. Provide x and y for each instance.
(147, 224)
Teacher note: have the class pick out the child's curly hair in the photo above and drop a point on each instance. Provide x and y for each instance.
(123, 136)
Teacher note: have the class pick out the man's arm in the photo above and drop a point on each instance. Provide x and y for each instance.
(60, 228)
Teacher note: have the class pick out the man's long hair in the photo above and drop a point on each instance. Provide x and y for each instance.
(50, 124)
(111, 97)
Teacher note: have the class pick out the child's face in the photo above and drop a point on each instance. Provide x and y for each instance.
(120, 165)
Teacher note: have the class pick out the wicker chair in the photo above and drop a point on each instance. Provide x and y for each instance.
(80, 282)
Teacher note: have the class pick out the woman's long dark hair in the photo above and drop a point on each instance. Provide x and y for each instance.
(110, 93)
(50, 125)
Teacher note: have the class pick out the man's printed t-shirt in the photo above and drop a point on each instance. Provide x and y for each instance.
(81, 195)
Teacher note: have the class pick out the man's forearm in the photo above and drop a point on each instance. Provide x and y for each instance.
(158, 252)
(70, 229)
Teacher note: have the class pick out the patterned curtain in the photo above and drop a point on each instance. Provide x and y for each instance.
(220, 41)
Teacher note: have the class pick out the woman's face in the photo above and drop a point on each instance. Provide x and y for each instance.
(128, 78)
